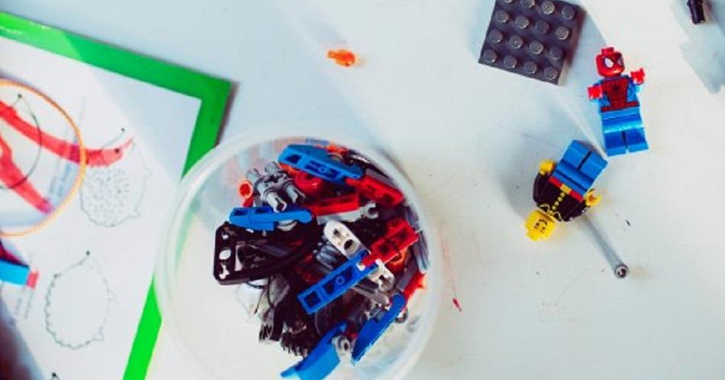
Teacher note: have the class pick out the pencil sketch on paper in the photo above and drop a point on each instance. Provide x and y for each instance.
(78, 304)
(112, 194)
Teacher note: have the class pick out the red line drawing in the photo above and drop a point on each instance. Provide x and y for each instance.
(11, 175)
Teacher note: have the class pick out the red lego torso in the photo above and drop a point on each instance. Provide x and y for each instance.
(615, 90)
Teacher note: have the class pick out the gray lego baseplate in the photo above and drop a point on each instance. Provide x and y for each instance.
(532, 38)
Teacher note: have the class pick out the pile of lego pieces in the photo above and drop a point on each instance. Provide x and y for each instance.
(334, 248)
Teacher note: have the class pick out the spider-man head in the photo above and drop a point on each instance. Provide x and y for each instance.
(610, 63)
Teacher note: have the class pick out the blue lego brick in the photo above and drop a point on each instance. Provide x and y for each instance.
(579, 167)
(575, 154)
(335, 284)
(321, 361)
(571, 177)
(532, 38)
(264, 218)
(14, 273)
(593, 166)
(317, 161)
(374, 328)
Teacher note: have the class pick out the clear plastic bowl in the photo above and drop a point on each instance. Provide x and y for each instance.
(214, 325)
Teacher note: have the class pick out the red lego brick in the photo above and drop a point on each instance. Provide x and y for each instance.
(399, 237)
(345, 203)
(397, 264)
(376, 190)
(308, 184)
(416, 283)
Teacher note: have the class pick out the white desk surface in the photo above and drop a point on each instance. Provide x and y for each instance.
(471, 137)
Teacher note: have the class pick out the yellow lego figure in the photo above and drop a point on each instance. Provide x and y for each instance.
(563, 191)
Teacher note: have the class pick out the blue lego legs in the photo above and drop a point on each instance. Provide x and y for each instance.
(623, 131)
(614, 143)
(579, 167)
(635, 140)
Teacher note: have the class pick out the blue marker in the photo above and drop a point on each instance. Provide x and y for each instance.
(14, 273)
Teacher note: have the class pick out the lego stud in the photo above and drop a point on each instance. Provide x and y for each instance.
(342, 57)
(510, 62)
(555, 53)
(548, 7)
(515, 42)
(522, 22)
(536, 47)
(562, 33)
(551, 73)
(501, 16)
(542, 27)
(528, 3)
(568, 12)
(495, 36)
(530, 68)
(489, 56)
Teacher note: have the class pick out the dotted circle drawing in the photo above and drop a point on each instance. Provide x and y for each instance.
(112, 195)
(78, 304)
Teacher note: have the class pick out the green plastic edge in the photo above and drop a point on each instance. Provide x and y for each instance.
(213, 93)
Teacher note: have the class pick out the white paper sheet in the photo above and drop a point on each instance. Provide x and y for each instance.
(96, 259)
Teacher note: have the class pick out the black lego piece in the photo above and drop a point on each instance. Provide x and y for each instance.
(697, 10)
(532, 38)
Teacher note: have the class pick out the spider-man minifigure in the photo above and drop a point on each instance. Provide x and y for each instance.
(618, 104)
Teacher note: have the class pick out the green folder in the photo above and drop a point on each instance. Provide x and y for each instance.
(212, 92)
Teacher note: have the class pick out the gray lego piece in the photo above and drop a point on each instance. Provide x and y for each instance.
(533, 38)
